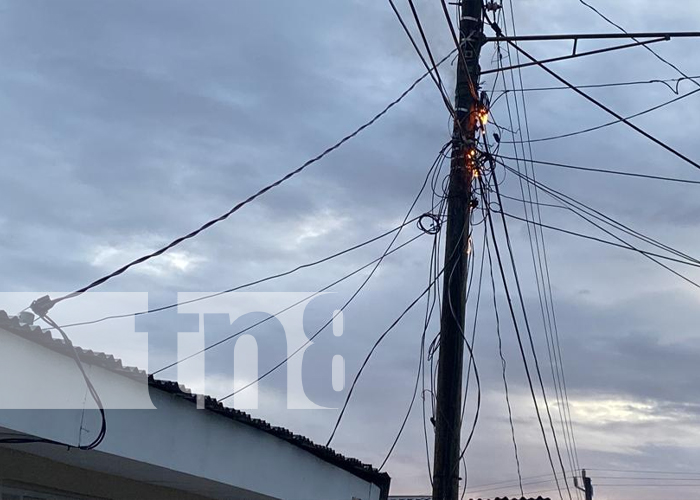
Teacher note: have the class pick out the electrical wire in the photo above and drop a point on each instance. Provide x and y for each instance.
(503, 372)
(531, 341)
(91, 389)
(628, 245)
(665, 82)
(301, 348)
(369, 356)
(653, 52)
(430, 307)
(540, 260)
(606, 171)
(598, 240)
(250, 199)
(542, 275)
(435, 77)
(511, 308)
(613, 122)
(599, 104)
(245, 285)
(282, 311)
(597, 214)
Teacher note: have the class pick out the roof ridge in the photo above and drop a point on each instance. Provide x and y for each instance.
(44, 338)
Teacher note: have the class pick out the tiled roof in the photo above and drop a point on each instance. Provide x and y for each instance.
(109, 362)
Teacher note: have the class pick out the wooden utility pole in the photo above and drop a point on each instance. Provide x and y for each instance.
(449, 389)
(587, 486)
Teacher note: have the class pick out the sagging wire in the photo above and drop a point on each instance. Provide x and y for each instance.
(91, 389)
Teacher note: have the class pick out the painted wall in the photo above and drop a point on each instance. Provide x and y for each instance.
(175, 438)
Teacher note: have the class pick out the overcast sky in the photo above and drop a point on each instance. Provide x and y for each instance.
(127, 123)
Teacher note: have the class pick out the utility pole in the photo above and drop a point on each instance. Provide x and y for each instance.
(459, 205)
(587, 486)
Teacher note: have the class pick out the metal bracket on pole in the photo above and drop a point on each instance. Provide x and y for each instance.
(574, 55)
(500, 37)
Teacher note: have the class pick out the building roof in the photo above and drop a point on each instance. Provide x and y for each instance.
(43, 337)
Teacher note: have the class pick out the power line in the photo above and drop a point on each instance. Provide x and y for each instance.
(544, 287)
(539, 256)
(601, 105)
(436, 164)
(606, 171)
(503, 372)
(627, 244)
(663, 81)
(90, 388)
(435, 77)
(599, 240)
(623, 30)
(573, 203)
(47, 305)
(369, 356)
(245, 285)
(632, 471)
(436, 167)
(531, 341)
(430, 307)
(520, 344)
(282, 311)
(421, 31)
(614, 122)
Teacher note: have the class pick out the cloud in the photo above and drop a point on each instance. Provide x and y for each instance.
(127, 124)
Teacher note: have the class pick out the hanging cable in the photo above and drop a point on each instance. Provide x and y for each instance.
(43, 305)
(613, 122)
(605, 171)
(91, 389)
(599, 104)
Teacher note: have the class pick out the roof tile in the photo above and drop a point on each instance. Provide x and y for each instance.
(109, 362)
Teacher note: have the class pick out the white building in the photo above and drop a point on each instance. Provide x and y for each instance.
(176, 451)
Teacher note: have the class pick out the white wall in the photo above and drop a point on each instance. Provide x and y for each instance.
(176, 437)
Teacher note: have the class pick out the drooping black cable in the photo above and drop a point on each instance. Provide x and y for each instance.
(503, 370)
(570, 202)
(282, 311)
(656, 54)
(430, 307)
(434, 76)
(423, 36)
(245, 285)
(369, 356)
(632, 247)
(91, 389)
(600, 104)
(251, 198)
(531, 341)
(511, 309)
(475, 321)
(301, 348)
(605, 171)
(665, 82)
(613, 122)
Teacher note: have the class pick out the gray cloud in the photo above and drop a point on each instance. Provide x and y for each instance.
(128, 123)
